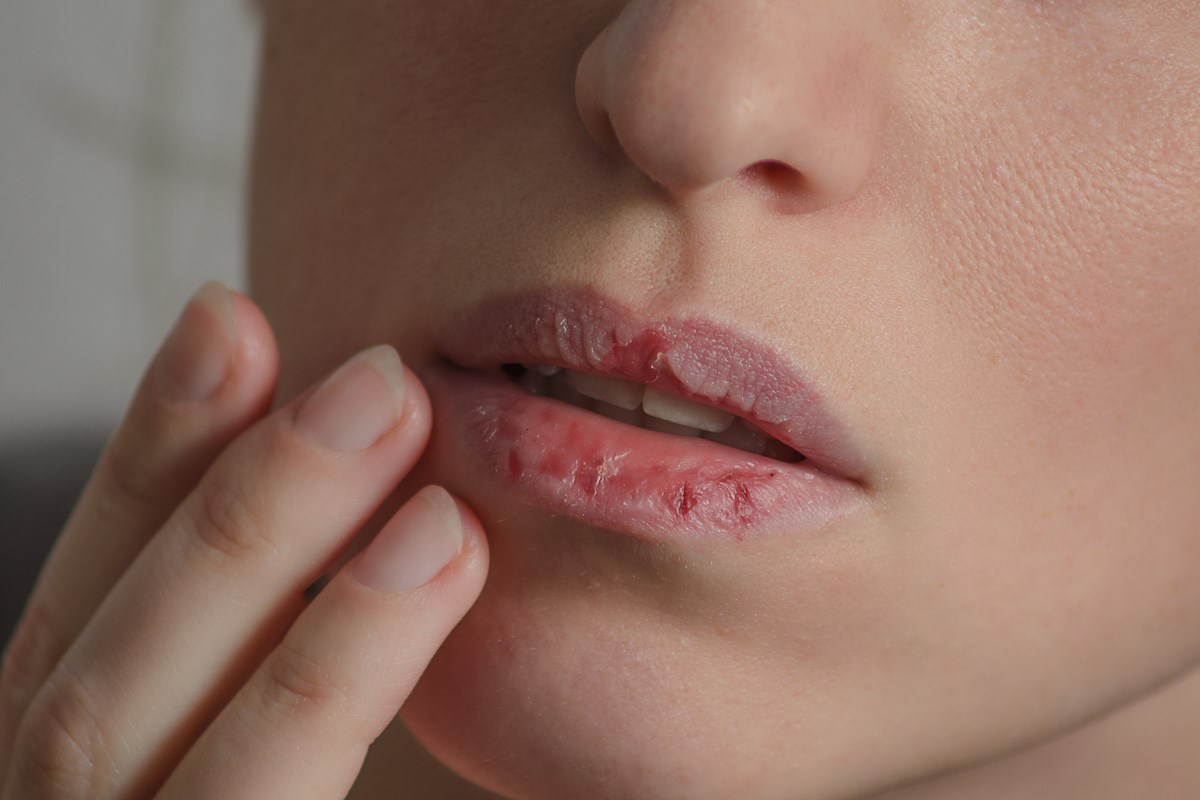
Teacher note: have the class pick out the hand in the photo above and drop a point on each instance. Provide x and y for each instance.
(168, 646)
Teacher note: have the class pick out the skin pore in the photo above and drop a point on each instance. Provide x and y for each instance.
(974, 223)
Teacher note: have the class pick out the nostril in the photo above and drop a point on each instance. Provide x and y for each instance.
(776, 176)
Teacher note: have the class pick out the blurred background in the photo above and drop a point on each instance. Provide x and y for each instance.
(123, 136)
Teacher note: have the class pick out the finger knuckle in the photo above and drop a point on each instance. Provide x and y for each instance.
(127, 481)
(60, 743)
(296, 683)
(230, 522)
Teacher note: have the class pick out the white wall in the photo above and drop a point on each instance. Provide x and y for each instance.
(123, 127)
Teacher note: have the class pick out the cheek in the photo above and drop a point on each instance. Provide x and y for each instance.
(1058, 481)
(1065, 228)
(1079, 297)
(1059, 208)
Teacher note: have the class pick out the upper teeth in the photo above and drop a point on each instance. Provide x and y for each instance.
(629, 395)
(638, 404)
(625, 394)
(684, 412)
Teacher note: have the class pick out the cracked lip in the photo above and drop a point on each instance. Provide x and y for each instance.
(572, 461)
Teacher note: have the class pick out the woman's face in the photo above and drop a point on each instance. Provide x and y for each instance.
(971, 228)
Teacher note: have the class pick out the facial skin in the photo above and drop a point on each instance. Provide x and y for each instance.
(979, 233)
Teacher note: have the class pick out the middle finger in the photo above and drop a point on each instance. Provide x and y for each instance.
(218, 585)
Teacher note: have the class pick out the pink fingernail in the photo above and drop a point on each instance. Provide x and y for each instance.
(416, 544)
(357, 404)
(195, 359)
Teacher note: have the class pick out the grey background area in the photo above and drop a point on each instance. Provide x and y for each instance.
(123, 132)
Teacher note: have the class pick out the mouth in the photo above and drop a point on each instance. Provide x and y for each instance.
(662, 429)
(646, 407)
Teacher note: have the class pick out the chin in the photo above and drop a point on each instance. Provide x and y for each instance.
(528, 706)
(541, 693)
(595, 665)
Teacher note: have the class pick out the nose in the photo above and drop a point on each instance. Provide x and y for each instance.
(779, 96)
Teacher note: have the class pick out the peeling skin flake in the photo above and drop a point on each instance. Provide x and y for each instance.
(576, 326)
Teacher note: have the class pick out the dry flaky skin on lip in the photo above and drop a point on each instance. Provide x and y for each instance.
(578, 328)
(573, 462)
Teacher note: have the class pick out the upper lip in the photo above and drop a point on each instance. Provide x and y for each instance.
(699, 359)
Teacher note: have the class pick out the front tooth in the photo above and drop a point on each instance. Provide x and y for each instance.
(685, 412)
(549, 370)
(665, 426)
(741, 437)
(621, 393)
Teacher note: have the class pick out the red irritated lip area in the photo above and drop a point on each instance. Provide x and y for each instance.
(574, 462)
(580, 464)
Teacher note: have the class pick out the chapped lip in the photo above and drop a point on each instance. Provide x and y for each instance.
(691, 357)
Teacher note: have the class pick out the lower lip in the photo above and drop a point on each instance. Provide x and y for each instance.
(573, 462)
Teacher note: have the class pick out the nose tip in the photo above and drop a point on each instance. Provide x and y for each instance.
(697, 95)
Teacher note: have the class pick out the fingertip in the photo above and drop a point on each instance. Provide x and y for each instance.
(475, 555)
(470, 521)
(256, 340)
(418, 410)
(432, 539)
(256, 365)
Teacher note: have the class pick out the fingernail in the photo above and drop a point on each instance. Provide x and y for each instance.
(357, 404)
(415, 545)
(195, 358)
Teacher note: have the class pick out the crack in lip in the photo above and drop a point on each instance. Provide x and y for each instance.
(569, 462)
(694, 358)
(516, 371)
